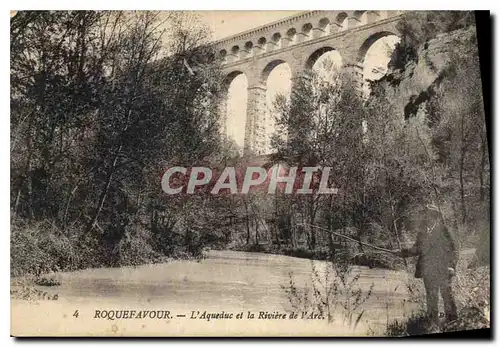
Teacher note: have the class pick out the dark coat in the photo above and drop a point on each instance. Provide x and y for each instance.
(436, 250)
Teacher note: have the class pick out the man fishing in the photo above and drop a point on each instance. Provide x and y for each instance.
(437, 252)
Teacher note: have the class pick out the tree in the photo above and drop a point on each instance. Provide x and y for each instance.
(332, 137)
(97, 114)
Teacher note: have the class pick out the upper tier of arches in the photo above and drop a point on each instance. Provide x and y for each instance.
(294, 30)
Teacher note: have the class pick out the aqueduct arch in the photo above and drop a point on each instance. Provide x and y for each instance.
(298, 41)
(370, 41)
(234, 106)
(313, 58)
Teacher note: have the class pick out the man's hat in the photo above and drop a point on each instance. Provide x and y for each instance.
(432, 207)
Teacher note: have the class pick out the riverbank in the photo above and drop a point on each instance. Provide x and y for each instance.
(40, 248)
(367, 258)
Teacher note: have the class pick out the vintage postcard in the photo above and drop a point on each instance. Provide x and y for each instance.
(248, 173)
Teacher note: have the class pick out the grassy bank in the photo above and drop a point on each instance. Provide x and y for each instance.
(471, 288)
(40, 248)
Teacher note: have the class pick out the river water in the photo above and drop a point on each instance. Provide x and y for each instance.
(225, 280)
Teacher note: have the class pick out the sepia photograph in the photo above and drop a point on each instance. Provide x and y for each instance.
(321, 173)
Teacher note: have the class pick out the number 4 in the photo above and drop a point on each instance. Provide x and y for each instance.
(75, 314)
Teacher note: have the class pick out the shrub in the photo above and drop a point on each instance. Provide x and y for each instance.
(333, 292)
(37, 249)
(136, 247)
(472, 295)
(416, 324)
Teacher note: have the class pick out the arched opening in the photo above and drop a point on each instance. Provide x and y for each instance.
(326, 65)
(374, 56)
(276, 39)
(361, 16)
(236, 109)
(249, 48)
(325, 61)
(291, 34)
(324, 24)
(223, 55)
(307, 30)
(342, 21)
(277, 77)
(262, 44)
(235, 51)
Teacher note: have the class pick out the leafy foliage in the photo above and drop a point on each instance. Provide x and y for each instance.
(418, 27)
(97, 113)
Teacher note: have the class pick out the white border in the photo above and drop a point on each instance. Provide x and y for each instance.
(257, 5)
(6, 340)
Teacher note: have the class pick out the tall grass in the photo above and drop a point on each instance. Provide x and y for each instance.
(472, 295)
(333, 293)
(41, 247)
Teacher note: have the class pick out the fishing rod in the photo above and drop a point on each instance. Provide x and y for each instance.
(352, 239)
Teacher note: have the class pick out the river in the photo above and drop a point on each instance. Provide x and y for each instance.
(224, 281)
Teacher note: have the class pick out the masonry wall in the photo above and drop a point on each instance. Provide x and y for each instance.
(351, 44)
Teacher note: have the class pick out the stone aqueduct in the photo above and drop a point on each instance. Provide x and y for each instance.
(298, 41)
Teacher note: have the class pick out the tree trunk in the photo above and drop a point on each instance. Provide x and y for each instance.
(462, 192)
(257, 232)
(247, 221)
(104, 193)
(312, 217)
(481, 170)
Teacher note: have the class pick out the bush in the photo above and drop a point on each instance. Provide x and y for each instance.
(39, 248)
(468, 319)
(42, 247)
(333, 292)
(417, 324)
(472, 296)
(136, 247)
(472, 293)
(418, 27)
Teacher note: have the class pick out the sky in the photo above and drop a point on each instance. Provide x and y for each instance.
(227, 23)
